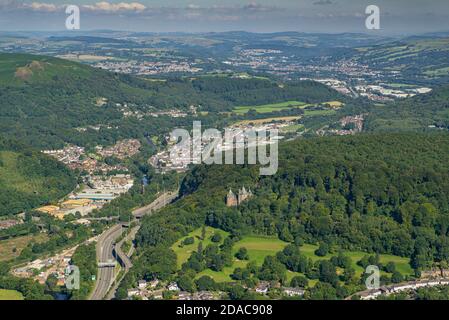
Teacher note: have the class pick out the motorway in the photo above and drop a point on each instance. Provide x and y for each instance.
(105, 275)
(157, 204)
(105, 249)
(124, 259)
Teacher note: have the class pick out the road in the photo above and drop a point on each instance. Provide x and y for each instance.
(157, 204)
(105, 249)
(105, 275)
(124, 259)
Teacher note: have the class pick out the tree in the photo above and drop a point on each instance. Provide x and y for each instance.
(299, 281)
(217, 263)
(349, 275)
(322, 250)
(242, 254)
(397, 277)
(203, 233)
(328, 273)
(341, 261)
(3, 268)
(323, 291)
(299, 241)
(121, 293)
(195, 262)
(51, 283)
(188, 241)
(186, 283)
(200, 248)
(236, 292)
(390, 267)
(159, 263)
(206, 283)
(286, 235)
(363, 262)
(342, 292)
(272, 270)
(216, 237)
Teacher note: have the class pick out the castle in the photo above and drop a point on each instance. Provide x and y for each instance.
(233, 200)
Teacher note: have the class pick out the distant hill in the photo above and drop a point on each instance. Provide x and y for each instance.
(89, 39)
(423, 112)
(42, 97)
(419, 58)
(44, 101)
(29, 179)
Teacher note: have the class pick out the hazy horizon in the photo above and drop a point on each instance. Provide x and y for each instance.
(201, 16)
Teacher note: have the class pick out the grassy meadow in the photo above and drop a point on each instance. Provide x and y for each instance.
(10, 295)
(11, 248)
(267, 108)
(261, 246)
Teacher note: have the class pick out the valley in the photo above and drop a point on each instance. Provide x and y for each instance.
(362, 177)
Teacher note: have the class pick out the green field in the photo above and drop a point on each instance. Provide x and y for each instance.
(11, 175)
(293, 128)
(259, 247)
(183, 252)
(319, 112)
(266, 120)
(402, 264)
(11, 248)
(437, 72)
(267, 108)
(10, 295)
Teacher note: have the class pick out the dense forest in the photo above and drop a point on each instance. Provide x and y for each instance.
(29, 179)
(380, 193)
(376, 193)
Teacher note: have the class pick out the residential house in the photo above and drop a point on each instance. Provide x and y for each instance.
(133, 292)
(293, 292)
(263, 287)
(142, 284)
(173, 287)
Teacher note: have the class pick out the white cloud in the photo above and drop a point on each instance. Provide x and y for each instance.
(42, 7)
(105, 6)
(254, 6)
(12, 5)
(193, 6)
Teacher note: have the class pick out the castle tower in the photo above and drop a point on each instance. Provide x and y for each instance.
(243, 195)
(231, 199)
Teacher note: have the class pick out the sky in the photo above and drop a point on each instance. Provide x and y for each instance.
(325, 16)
